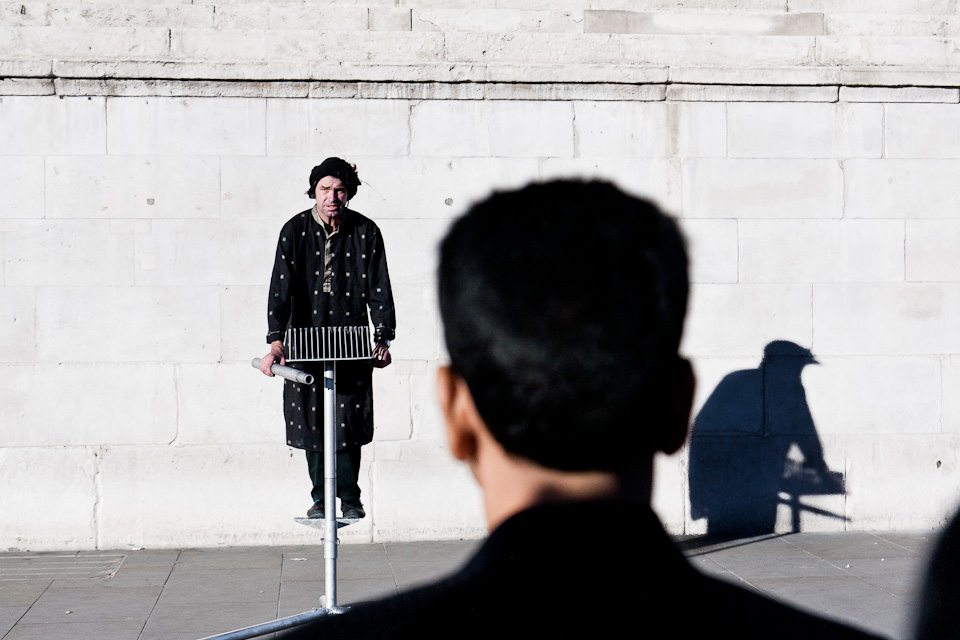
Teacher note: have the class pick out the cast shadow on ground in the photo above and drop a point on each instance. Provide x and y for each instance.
(754, 446)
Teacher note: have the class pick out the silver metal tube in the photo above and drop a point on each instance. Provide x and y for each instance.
(285, 372)
(258, 630)
(330, 482)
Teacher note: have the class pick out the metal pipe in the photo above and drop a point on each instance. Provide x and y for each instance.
(269, 627)
(285, 372)
(330, 541)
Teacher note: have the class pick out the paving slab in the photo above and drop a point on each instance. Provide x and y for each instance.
(866, 579)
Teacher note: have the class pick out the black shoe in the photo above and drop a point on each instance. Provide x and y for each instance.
(316, 511)
(353, 509)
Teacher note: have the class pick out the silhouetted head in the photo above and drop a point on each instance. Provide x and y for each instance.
(563, 306)
(338, 168)
(785, 351)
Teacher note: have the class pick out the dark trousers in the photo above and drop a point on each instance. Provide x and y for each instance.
(348, 471)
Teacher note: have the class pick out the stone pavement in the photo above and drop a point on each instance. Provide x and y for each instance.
(867, 579)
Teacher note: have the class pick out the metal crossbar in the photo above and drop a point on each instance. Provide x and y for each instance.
(306, 344)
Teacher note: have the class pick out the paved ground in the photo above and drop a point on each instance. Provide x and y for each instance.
(866, 579)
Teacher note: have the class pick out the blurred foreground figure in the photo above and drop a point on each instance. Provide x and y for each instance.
(938, 613)
(563, 306)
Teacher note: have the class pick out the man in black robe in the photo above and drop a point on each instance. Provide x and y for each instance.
(563, 306)
(331, 271)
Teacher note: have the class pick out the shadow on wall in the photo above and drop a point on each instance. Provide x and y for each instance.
(754, 446)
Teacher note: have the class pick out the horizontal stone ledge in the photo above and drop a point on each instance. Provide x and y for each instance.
(750, 93)
(360, 72)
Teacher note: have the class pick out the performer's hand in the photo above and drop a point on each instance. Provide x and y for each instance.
(276, 355)
(381, 355)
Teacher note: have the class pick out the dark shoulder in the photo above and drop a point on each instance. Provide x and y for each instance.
(362, 222)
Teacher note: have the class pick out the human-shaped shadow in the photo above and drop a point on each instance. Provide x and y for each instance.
(754, 445)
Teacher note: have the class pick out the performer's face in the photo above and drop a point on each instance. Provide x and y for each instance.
(331, 196)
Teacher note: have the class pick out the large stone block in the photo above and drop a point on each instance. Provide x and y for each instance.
(502, 128)
(421, 491)
(21, 179)
(712, 249)
(243, 322)
(202, 496)
(392, 405)
(128, 324)
(885, 50)
(950, 372)
(97, 43)
(769, 130)
(821, 250)
(717, 51)
(47, 125)
(773, 188)
(874, 395)
(670, 491)
(931, 250)
(383, 47)
(657, 179)
(206, 252)
(922, 131)
(783, 76)
(27, 87)
(49, 498)
(411, 247)
(268, 187)
(389, 19)
(880, 318)
(444, 187)
(536, 49)
(418, 322)
(499, 20)
(901, 188)
(141, 14)
(908, 481)
(428, 421)
(68, 252)
(18, 332)
(899, 94)
(226, 404)
(894, 7)
(132, 187)
(700, 22)
(186, 126)
(88, 404)
(625, 130)
(312, 16)
(346, 128)
(732, 320)
(737, 384)
(750, 93)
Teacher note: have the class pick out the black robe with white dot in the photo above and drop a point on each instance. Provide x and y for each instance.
(340, 281)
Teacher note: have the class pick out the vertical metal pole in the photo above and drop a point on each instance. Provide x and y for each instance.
(330, 483)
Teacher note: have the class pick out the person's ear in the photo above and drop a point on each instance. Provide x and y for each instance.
(677, 412)
(459, 414)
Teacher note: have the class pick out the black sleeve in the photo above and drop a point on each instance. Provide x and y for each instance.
(279, 301)
(382, 311)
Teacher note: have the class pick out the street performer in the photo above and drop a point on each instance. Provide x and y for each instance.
(331, 271)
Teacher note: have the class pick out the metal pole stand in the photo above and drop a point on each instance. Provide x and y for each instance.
(326, 344)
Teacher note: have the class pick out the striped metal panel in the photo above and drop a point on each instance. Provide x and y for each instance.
(307, 344)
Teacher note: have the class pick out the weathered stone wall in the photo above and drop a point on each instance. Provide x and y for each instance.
(150, 151)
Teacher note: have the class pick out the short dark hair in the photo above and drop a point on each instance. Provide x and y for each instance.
(338, 168)
(562, 305)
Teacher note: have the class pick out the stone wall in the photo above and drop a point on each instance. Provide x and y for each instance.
(150, 151)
